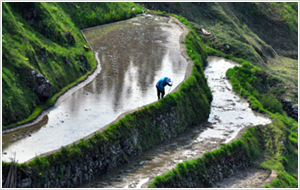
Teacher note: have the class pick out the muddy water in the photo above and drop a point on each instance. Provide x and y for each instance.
(229, 115)
(134, 54)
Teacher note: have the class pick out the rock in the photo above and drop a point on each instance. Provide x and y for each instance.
(83, 63)
(290, 108)
(42, 86)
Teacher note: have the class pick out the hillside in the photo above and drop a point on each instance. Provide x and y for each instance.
(43, 52)
(265, 34)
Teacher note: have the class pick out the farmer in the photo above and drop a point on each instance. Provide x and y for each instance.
(160, 86)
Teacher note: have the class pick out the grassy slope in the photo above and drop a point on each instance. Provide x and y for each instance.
(35, 38)
(280, 138)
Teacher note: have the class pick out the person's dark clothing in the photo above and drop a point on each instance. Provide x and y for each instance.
(160, 86)
(160, 93)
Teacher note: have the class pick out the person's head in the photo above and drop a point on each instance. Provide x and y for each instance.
(168, 80)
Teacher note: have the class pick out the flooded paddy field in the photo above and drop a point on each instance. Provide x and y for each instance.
(133, 54)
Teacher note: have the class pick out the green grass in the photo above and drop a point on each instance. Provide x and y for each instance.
(286, 72)
(281, 11)
(99, 13)
(283, 181)
(256, 84)
(49, 42)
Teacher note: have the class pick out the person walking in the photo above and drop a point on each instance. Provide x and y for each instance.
(160, 86)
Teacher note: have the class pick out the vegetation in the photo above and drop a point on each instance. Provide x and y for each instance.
(206, 170)
(94, 13)
(256, 32)
(142, 129)
(256, 143)
(275, 146)
(282, 157)
(46, 38)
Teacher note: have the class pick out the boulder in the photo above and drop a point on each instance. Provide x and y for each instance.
(42, 86)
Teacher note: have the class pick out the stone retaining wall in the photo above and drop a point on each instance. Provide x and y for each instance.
(214, 166)
(133, 134)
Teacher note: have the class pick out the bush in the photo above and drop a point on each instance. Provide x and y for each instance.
(270, 103)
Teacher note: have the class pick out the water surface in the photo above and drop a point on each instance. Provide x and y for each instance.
(134, 54)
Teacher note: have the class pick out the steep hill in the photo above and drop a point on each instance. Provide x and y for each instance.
(43, 51)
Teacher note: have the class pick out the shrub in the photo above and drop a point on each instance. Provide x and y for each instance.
(270, 103)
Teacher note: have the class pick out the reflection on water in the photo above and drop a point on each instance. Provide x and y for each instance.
(134, 55)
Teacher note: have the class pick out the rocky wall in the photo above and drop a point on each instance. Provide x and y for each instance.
(214, 166)
(128, 138)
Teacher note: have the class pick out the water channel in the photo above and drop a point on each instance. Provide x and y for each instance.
(230, 116)
(133, 54)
